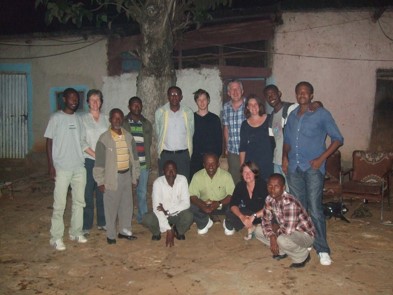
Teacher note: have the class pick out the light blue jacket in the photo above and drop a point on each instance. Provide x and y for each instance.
(161, 125)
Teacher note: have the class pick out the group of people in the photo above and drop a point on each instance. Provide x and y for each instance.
(105, 157)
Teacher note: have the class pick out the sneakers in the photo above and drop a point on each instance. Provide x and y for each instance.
(228, 232)
(80, 239)
(206, 228)
(101, 227)
(58, 244)
(324, 258)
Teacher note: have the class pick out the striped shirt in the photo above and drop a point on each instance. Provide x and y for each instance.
(136, 130)
(123, 156)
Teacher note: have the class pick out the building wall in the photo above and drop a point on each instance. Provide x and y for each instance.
(55, 63)
(119, 89)
(339, 53)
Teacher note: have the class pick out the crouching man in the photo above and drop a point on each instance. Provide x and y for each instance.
(171, 206)
(286, 227)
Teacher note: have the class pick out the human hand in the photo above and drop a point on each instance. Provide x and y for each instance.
(170, 238)
(52, 172)
(101, 188)
(161, 208)
(284, 165)
(316, 163)
(274, 245)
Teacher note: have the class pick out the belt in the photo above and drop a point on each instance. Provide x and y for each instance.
(174, 152)
(123, 171)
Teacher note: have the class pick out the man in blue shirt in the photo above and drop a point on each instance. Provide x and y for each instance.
(304, 157)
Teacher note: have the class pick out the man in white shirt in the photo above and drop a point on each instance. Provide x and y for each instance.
(171, 206)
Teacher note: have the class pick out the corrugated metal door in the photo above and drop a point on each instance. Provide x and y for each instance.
(13, 116)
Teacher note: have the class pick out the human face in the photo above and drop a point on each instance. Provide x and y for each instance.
(116, 120)
(94, 103)
(275, 188)
(170, 173)
(248, 175)
(211, 165)
(273, 97)
(253, 107)
(235, 92)
(71, 103)
(135, 108)
(304, 95)
(202, 102)
(174, 97)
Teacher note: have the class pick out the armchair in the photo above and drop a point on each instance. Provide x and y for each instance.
(332, 183)
(369, 177)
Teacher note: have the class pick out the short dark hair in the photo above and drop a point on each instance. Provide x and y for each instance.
(253, 167)
(94, 92)
(169, 162)
(69, 91)
(200, 92)
(277, 176)
(115, 110)
(205, 156)
(304, 83)
(174, 87)
(134, 98)
(270, 87)
(260, 104)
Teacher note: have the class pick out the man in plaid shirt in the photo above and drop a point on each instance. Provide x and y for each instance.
(286, 226)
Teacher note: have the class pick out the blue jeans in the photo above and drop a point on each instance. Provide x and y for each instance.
(90, 189)
(307, 187)
(141, 192)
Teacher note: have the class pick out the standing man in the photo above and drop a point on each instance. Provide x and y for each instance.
(211, 189)
(115, 171)
(208, 132)
(142, 131)
(232, 117)
(304, 157)
(171, 203)
(66, 166)
(174, 130)
(278, 119)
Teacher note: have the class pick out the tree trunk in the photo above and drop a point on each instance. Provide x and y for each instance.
(157, 71)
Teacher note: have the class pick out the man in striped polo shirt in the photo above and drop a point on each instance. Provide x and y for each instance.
(142, 131)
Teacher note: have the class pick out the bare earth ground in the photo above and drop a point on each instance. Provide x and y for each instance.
(212, 264)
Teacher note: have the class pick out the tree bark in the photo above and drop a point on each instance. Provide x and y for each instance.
(157, 70)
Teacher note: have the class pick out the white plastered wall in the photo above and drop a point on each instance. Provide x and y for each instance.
(339, 53)
(118, 90)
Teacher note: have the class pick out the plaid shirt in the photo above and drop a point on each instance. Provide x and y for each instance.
(233, 120)
(289, 214)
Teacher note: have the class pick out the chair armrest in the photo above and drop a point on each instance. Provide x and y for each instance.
(346, 172)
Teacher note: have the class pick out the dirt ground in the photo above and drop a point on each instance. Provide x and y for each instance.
(362, 252)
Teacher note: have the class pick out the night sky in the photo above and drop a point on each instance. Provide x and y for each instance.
(21, 17)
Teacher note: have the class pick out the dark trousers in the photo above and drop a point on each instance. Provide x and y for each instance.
(232, 221)
(183, 221)
(201, 218)
(181, 159)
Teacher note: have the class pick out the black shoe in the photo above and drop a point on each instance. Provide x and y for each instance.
(301, 264)
(177, 235)
(111, 241)
(130, 238)
(279, 257)
(156, 237)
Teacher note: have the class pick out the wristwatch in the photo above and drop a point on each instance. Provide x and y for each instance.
(219, 206)
(255, 215)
